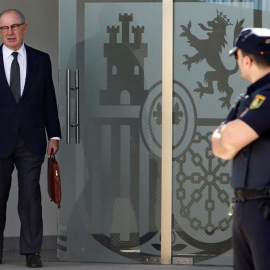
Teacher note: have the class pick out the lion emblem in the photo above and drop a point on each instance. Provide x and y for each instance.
(210, 50)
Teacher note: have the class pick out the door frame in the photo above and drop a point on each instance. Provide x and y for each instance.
(167, 131)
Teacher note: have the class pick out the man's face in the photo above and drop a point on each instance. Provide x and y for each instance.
(12, 38)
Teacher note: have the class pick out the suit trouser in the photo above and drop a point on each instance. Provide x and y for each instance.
(28, 166)
(251, 236)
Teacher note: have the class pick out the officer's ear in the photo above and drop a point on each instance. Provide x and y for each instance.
(248, 60)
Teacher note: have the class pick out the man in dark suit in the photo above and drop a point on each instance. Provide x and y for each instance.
(28, 111)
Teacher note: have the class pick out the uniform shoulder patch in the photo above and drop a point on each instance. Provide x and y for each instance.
(257, 102)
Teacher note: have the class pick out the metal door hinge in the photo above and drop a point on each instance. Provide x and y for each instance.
(183, 260)
(150, 260)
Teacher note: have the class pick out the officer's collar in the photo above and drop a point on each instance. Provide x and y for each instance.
(261, 82)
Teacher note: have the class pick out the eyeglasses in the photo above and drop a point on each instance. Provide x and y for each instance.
(13, 27)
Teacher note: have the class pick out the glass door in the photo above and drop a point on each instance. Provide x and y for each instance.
(110, 108)
(206, 84)
(110, 81)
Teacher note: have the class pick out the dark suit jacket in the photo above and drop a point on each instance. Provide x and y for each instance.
(35, 112)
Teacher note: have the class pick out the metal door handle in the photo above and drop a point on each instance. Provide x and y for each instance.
(77, 124)
(68, 106)
(77, 86)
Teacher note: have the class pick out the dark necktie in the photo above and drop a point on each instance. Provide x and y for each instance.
(15, 84)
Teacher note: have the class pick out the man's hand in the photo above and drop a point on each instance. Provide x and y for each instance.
(53, 147)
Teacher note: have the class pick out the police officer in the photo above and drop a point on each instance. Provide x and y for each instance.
(245, 138)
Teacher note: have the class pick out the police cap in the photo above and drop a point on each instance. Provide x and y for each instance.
(254, 41)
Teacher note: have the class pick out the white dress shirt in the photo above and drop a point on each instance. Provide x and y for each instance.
(22, 60)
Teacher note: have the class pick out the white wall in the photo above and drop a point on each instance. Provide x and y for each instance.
(42, 19)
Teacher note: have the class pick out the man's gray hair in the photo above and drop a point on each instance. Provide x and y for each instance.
(16, 11)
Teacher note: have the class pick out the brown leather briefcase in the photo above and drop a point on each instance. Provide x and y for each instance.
(54, 182)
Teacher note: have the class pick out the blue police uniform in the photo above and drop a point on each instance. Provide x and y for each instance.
(251, 167)
(251, 180)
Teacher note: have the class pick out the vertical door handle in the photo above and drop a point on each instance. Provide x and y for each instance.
(68, 106)
(77, 88)
(77, 124)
